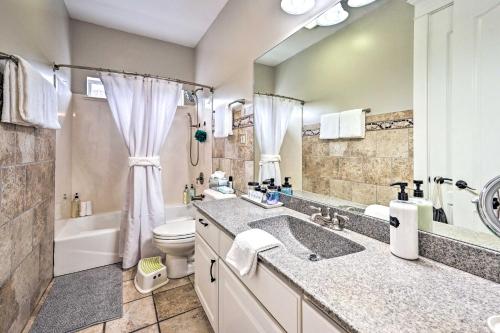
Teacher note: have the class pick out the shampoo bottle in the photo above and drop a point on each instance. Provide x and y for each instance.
(424, 207)
(75, 206)
(287, 187)
(192, 192)
(403, 225)
(185, 195)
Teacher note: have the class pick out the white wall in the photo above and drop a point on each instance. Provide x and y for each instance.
(97, 46)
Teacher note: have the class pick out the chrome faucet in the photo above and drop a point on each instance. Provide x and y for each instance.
(338, 221)
(318, 217)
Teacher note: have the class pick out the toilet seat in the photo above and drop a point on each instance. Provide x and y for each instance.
(175, 230)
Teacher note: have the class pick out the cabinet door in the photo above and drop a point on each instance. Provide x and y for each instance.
(239, 311)
(206, 280)
(314, 321)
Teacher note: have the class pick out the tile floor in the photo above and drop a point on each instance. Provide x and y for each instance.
(174, 308)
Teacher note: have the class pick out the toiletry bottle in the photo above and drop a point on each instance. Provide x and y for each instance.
(230, 183)
(272, 196)
(287, 187)
(75, 206)
(425, 214)
(403, 225)
(185, 195)
(192, 192)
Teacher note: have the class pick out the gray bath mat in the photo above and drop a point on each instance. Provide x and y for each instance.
(81, 299)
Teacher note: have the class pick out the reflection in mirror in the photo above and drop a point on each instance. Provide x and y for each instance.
(392, 58)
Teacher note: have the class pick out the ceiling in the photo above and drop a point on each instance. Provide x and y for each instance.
(304, 38)
(181, 22)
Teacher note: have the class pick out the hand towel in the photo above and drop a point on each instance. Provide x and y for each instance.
(223, 122)
(243, 253)
(329, 126)
(378, 211)
(31, 98)
(352, 124)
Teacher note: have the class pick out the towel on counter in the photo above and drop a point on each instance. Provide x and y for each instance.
(329, 126)
(352, 124)
(243, 253)
(223, 122)
(28, 98)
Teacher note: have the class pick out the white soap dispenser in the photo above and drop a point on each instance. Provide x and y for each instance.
(425, 213)
(403, 225)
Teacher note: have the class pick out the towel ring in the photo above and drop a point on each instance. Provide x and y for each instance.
(488, 205)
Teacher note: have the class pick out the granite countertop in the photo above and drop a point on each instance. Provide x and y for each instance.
(372, 290)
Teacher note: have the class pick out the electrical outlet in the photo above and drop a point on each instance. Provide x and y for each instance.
(243, 139)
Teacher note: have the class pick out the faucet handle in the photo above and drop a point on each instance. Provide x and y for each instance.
(317, 209)
(342, 219)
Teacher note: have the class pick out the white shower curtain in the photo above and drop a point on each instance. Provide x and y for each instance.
(271, 116)
(143, 110)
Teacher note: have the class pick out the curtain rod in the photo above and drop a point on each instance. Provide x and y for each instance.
(280, 96)
(108, 70)
(238, 101)
(8, 57)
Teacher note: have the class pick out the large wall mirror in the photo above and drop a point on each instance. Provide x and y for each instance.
(413, 85)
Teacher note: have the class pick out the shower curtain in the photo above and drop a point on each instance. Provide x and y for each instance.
(271, 115)
(143, 110)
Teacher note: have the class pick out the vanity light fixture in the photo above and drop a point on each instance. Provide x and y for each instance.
(332, 16)
(359, 3)
(297, 7)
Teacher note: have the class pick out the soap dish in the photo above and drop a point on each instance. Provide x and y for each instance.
(263, 205)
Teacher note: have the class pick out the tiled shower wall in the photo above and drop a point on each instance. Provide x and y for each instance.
(235, 154)
(27, 159)
(360, 170)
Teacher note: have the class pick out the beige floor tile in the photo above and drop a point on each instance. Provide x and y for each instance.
(172, 283)
(150, 329)
(129, 274)
(137, 314)
(99, 328)
(194, 321)
(35, 312)
(130, 293)
(175, 301)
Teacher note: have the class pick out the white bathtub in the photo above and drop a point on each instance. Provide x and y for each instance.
(92, 241)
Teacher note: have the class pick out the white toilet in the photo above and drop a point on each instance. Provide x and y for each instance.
(176, 239)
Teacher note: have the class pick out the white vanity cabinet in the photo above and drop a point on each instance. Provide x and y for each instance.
(206, 279)
(313, 321)
(261, 303)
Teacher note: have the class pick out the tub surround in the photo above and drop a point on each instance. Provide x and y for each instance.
(372, 289)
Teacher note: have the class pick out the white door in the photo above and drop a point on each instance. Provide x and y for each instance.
(475, 102)
(239, 311)
(206, 280)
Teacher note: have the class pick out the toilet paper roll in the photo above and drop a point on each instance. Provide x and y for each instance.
(83, 208)
(88, 210)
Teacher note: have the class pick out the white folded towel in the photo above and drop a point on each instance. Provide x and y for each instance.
(243, 253)
(378, 211)
(352, 124)
(31, 99)
(329, 126)
(223, 122)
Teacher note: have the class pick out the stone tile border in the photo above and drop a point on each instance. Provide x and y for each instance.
(469, 258)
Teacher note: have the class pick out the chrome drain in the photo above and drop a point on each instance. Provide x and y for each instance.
(314, 257)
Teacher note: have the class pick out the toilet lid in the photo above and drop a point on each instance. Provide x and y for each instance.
(175, 229)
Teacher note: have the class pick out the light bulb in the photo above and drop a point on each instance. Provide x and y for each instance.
(297, 7)
(359, 3)
(332, 16)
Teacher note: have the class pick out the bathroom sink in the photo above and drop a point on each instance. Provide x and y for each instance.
(306, 240)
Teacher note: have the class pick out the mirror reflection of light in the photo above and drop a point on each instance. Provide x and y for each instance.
(359, 3)
(297, 7)
(332, 16)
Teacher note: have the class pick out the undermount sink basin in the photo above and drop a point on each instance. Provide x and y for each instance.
(306, 240)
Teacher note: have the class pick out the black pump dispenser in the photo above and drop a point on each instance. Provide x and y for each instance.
(418, 192)
(287, 184)
(402, 195)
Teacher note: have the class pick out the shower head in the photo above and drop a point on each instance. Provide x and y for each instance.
(190, 96)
